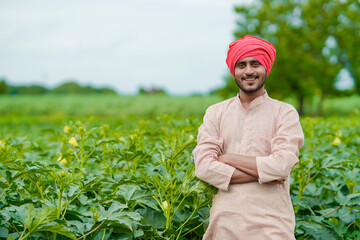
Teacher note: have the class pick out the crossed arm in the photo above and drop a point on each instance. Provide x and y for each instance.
(246, 169)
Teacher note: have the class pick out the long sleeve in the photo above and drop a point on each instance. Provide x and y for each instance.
(289, 138)
(209, 147)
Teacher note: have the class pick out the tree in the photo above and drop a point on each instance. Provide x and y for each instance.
(72, 87)
(151, 91)
(311, 43)
(347, 34)
(3, 87)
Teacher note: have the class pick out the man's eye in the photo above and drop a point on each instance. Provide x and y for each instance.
(256, 64)
(241, 65)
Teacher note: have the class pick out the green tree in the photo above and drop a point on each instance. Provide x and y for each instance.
(69, 87)
(72, 87)
(27, 90)
(3, 87)
(151, 91)
(311, 43)
(347, 34)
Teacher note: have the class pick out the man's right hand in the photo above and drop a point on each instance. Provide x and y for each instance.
(277, 182)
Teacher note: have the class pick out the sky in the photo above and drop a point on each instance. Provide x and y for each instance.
(177, 45)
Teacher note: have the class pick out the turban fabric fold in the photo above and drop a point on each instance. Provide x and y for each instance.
(250, 46)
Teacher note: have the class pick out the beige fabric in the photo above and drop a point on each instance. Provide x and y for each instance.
(269, 130)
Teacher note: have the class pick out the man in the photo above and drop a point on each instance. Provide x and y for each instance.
(247, 146)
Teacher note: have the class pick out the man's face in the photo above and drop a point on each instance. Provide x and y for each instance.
(250, 75)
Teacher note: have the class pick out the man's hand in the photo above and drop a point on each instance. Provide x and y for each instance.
(276, 182)
(246, 170)
(245, 164)
(224, 158)
(241, 177)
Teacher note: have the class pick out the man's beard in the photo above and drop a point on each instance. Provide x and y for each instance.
(250, 90)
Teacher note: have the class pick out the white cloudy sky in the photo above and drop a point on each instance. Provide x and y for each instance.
(179, 45)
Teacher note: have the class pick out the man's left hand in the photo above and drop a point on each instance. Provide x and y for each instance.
(246, 164)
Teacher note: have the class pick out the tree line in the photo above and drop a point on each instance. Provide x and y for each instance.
(314, 40)
(69, 87)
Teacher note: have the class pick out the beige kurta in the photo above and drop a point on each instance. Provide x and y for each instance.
(271, 131)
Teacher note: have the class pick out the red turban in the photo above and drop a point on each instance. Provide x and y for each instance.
(250, 46)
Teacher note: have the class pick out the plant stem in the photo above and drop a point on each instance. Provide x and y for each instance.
(168, 218)
(111, 167)
(193, 229)
(331, 211)
(92, 152)
(12, 224)
(182, 225)
(59, 206)
(82, 152)
(103, 235)
(192, 214)
(22, 233)
(42, 196)
(307, 181)
(68, 203)
(25, 236)
(180, 204)
(3, 193)
(83, 236)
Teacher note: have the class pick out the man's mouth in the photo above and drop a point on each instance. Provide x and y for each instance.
(250, 79)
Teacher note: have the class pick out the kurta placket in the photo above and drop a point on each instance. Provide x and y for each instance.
(269, 130)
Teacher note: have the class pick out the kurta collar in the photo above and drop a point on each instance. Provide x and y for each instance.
(257, 101)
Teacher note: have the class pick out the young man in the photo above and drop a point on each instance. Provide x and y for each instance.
(247, 146)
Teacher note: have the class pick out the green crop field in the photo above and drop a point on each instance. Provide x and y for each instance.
(105, 167)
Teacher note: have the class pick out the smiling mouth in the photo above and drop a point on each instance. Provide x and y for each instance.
(250, 79)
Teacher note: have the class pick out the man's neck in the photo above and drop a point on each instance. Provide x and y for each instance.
(247, 98)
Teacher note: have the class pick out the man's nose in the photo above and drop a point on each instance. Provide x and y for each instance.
(249, 69)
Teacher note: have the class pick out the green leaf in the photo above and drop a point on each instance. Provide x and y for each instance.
(127, 191)
(316, 230)
(149, 203)
(84, 200)
(125, 221)
(133, 215)
(26, 214)
(112, 211)
(7, 215)
(353, 199)
(303, 204)
(340, 228)
(153, 218)
(341, 199)
(56, 228)
(123, 224)
(3, 184)
(31, 213)
(43, 216)
(71, 191)
(4, 232)
(80, 226)
(138, 233)
(115, 206)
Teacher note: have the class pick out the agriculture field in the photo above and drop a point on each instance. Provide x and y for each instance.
(70, 173)
(63, 106)
(104, 105)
